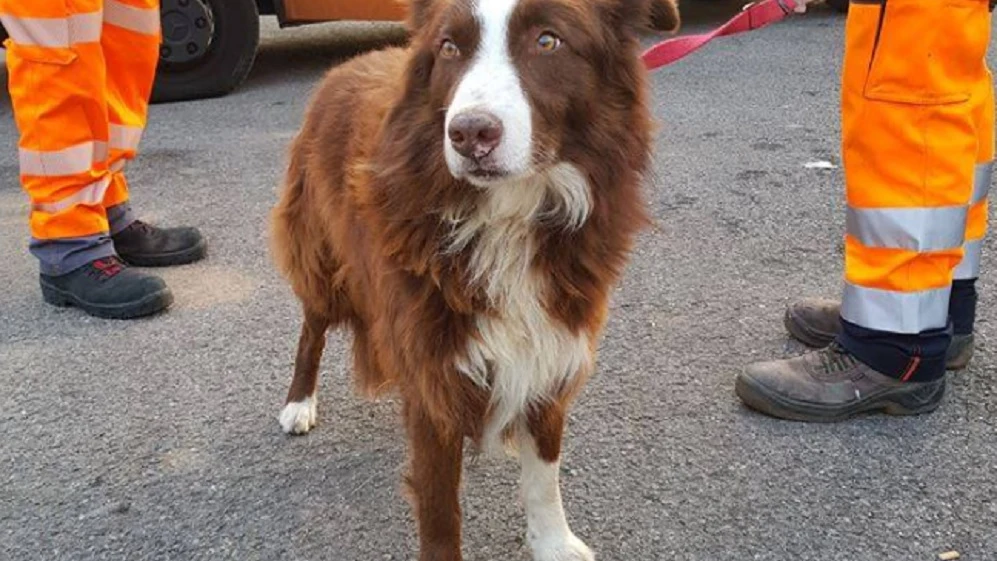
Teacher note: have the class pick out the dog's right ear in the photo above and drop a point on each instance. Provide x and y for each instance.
(637, 16)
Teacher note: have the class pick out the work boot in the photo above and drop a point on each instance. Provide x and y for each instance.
(831, 385)
(144, 245)
(815, 323)
(107, 288)
(960, 351)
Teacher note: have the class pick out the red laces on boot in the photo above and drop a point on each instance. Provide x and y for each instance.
(106, 268)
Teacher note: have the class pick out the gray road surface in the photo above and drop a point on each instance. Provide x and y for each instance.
(158, 439)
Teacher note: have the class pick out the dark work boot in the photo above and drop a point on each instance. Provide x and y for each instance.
(144, 245)
(831, 385)
(107, 288)
(815, 323)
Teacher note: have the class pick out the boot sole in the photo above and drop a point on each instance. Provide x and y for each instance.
(818, 340)
(182, 257)
(898, 402)
(146, 306)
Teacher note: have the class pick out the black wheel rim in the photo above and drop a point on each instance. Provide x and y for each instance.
(188, 31)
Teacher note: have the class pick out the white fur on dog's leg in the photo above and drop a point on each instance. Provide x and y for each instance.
(546, 526)
(298, 417)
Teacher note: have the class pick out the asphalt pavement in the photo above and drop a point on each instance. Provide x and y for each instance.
(158, 439)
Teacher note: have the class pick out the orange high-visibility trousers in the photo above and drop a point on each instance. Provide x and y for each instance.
(982, 102)
(80, 76)
(917, 132)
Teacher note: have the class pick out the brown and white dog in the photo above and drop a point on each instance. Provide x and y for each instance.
(465, 206)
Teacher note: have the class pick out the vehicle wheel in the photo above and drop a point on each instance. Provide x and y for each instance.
(838, 5)
(208, 47)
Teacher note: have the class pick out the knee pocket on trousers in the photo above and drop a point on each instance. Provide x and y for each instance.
(925, 52)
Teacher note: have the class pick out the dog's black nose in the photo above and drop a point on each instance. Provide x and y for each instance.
(474, 134)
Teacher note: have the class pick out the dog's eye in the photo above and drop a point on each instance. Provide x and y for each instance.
(448, 49)
(548, 42)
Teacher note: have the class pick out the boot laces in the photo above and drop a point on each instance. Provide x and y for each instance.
(835, 361)
(106, 268)
(142, 227)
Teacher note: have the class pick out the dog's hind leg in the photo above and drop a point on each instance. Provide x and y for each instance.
(434, 485)
(299, 413)
(548, 533)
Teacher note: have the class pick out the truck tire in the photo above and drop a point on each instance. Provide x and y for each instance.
(839, 5)
(208, 48)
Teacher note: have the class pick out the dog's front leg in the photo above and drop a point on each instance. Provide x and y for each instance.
(547, 528)
(300, 411)
(434, 484)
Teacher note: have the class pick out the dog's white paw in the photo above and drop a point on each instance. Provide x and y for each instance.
(298, 417)
(568, 548)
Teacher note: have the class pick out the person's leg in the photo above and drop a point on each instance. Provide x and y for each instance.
(815, 321)
(963, 300)
(910, 145)
(130, 40)
(56, 76)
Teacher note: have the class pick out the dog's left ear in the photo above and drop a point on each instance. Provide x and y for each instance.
(664, 15)
(418, 13)
(639, 15)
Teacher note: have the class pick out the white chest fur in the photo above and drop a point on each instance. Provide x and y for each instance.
(522, 354)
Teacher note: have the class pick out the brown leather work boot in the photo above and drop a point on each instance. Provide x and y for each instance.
(814, 322)
(960, 351)
(831, 385)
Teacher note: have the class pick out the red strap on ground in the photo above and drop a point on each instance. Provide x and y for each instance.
(753, 16)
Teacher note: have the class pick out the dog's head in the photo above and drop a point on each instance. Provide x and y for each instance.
(516, 85)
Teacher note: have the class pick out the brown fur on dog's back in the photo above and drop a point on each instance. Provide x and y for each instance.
(390, 290)
(322, 197)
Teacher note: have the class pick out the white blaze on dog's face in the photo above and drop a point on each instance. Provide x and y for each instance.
(489, 124)
(518, 83)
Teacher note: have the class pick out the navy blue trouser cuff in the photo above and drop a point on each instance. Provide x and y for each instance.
(913, 357)
(65, 255)
(916, 357)
(962, 306)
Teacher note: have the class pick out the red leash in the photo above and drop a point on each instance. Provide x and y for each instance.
(754, 16)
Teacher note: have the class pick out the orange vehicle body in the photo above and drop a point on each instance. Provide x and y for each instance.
(311, 11)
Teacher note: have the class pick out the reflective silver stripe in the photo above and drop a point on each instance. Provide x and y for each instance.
(982, 178)
(68, 161)
(54, 32)
(916, 229)
(117, 166)
(124, 137)
(139, 20)
(92, 194)
(969, 267)
(895, 312)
